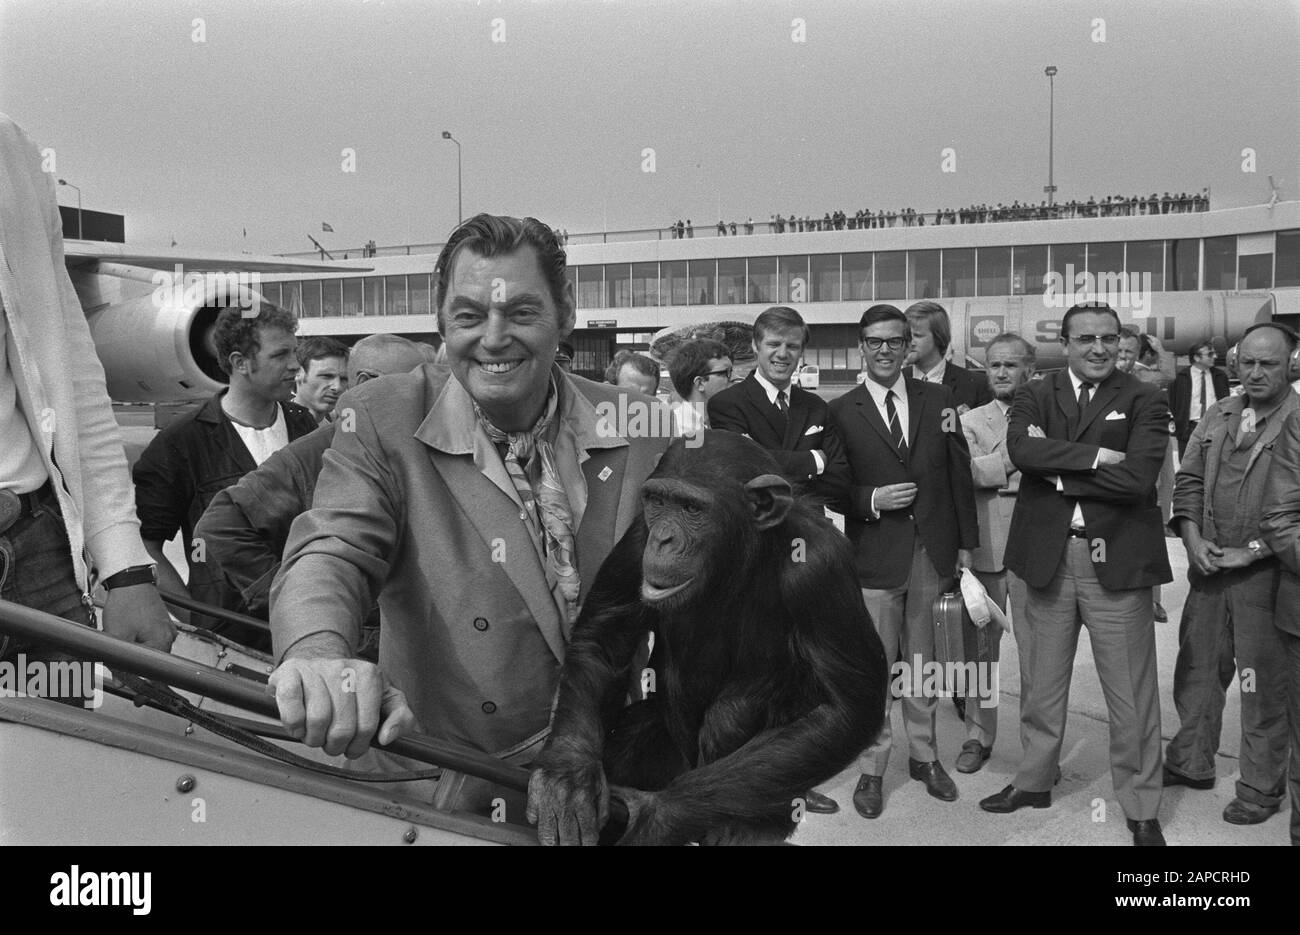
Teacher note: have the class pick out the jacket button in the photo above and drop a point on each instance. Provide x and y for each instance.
(488, 707)
(480, 624)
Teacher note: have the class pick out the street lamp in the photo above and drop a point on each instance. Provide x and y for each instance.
(78, 190)
(1050, 71)
(460, 211)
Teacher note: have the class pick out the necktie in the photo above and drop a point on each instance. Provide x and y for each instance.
(781, 403)
(895, 427)
(1204, 398)
(1084, 396)
(530, 461)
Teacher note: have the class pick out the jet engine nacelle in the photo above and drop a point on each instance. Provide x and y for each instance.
(158, 352)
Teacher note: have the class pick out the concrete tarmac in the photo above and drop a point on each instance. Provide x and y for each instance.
(1084, 809)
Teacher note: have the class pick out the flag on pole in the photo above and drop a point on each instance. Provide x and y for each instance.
(326, 228)
(245, 231)
(173, 240)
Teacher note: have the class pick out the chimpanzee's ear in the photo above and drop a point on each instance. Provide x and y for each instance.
(770, 499)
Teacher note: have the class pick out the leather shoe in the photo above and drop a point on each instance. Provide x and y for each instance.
(1170, 778)
(1161, 616)
(814, 801)
(1146, 833)
(869, 797)
(1241, 812)
(937, 782)
(1011, 798)
(972, 756)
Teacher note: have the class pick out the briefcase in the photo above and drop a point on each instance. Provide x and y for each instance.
(949, 647)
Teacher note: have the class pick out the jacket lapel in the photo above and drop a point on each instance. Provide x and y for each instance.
(867, 406)
(796, 420)
(1066, 401)
(758, 401)
(486, 495)
(1272, 430)
(1104, 395)
(915, 406)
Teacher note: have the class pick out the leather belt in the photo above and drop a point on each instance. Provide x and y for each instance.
(1076, 533)
(15, 507)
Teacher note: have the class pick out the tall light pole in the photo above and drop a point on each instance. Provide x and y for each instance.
(460, 210)
(78, 190)
(1050, 71)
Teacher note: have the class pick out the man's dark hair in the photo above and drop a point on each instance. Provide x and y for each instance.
(318, 347)
(1198, 347)
(779, 318)
(639, 362)
(491, 235)
(937, 316)
(1084, 307)
(691, 360)
(235, 330)
(1128, 332)
(879, 313)
(1289, 334)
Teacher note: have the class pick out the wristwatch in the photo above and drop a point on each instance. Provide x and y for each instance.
(1256, 547)
(136, 574)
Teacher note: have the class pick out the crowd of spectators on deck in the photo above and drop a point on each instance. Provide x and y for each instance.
(864, 219)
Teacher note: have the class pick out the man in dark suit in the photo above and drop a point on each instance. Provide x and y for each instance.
(1087, 537)
(1195, 390)
(931, 338)
(910, 515)
(787, 420)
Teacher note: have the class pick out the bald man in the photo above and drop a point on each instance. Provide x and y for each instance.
(245, 526)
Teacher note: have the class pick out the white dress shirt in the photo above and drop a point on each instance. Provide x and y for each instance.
(770, 389)
(1199, 405)
(930, 376)
(900, 407)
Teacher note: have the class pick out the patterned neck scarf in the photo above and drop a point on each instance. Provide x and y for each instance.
(530, 461)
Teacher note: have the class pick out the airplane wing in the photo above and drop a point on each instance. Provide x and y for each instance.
(81, 255)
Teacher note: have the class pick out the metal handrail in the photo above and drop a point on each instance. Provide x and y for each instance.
(217, 613)
(36, 626)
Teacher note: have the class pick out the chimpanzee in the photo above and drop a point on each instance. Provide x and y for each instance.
(768, 674)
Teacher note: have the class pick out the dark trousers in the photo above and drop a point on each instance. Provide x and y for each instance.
(1227, 627)
(36, 571)
(1291, 644)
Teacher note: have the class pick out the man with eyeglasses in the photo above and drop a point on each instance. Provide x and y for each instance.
(910, 515)
(1087, 537)
(699, 369)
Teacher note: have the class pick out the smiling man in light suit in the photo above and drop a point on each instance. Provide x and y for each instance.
(477, 506)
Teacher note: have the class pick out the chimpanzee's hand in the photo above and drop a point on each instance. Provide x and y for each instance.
(568, 801)
(646, 823)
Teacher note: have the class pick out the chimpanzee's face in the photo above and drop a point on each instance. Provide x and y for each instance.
(704, 525)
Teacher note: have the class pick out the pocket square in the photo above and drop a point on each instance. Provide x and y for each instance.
(813, 430)
(1115, 416)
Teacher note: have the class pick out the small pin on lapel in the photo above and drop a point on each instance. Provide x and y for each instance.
(605, 473)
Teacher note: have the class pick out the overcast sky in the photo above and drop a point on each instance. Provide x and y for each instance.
(750, 108)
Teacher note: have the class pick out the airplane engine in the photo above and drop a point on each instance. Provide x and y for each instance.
(158, 352)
